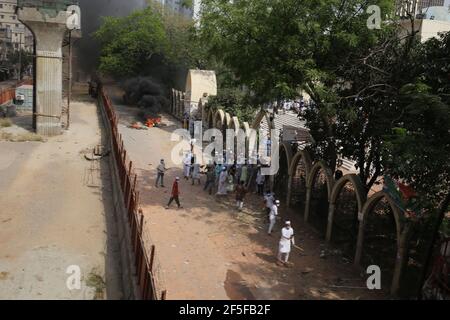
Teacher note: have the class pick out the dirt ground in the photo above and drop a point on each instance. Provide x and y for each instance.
(208, 250)
(52, 214)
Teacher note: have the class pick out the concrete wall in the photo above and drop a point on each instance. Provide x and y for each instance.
(129, 279)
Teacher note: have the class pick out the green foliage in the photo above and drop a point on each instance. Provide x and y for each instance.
(130, 42)
(236, 102)
(146, 39)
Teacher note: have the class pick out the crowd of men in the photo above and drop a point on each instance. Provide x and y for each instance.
(237, 179)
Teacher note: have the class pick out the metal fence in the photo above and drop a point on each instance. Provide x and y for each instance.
(148, 270)
(57, 5)
(9, 94)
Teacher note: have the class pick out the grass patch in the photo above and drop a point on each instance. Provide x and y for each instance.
(96, 281)
(6, 136)
(5, 123)
(28, 137)
(24, 137)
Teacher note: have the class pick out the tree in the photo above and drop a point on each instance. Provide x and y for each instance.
(279, 47)
(130, 42)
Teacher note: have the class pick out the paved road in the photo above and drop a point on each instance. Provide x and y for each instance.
(52, 215)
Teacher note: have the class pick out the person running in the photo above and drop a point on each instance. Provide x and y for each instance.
(175, 195)
(161, 169)
(241, 191)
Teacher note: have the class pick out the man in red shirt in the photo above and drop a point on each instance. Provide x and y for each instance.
(175, 194)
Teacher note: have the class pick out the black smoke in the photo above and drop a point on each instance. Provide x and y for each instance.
(92, 12)
(147, 94)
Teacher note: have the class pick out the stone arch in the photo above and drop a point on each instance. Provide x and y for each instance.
(228, 119)
(247, 130)
(235, 125)
(318, 194)
(321, 165)
(210, 118)
(282, 176)
(219, 119)
(304, 157)
(172, 102)
(199, 82)
(259, 118)
(360, 195)
(400, 235)
(202, 112)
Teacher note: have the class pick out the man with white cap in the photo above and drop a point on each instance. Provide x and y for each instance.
(273, 215)
(287, 238)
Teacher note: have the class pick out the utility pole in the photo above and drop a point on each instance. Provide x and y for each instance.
(69, 91)
(20, 59)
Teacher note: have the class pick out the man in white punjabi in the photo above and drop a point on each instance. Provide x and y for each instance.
(287, 238)
(273, 216)
(187, 166)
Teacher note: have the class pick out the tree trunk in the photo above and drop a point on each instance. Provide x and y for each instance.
(435, 236)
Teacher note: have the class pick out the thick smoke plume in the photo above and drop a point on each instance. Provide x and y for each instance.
(145, 93)
(92, 12)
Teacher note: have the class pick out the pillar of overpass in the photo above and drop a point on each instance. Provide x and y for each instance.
(48, 27)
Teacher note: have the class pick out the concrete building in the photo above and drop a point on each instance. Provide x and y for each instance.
(415, 7)
(188, 8)
(430, 23)
(21, 37)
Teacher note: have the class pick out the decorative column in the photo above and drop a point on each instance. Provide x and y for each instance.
(330, 221)
(289, 191)
(48, 27)
(307, 203)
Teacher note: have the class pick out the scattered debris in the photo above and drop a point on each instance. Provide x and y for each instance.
(307, 270)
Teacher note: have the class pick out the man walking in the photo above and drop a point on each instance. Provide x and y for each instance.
(269, 199)
(210, 179)
(222, 188)
(244, 174)
(241, 191)
(187, 166)
(161, 169)
(273, 216)
(287, 238)
(175, 194)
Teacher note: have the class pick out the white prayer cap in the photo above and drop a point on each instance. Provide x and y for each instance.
(277, 202)
(177, 178)
(288, 223)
